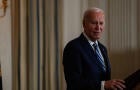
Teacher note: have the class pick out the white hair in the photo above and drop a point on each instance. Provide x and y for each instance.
(92, 9)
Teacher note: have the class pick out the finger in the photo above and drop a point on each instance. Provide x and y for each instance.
(113, 87)
(120, 84)
(121, 81)
(118, 87)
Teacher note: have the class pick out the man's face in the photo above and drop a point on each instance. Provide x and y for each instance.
(94, 25)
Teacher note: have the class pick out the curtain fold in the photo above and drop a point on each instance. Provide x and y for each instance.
(39, 51)
(15, 43)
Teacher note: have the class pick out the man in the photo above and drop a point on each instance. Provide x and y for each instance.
(85, 59)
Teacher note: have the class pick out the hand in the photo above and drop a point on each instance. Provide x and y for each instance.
(115, 84)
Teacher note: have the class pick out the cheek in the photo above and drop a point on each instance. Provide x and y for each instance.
(92, 27)
(102, 28)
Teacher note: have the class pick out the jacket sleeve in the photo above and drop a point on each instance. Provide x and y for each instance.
(72, 61)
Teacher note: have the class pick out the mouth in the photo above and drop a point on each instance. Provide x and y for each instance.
(96, 32)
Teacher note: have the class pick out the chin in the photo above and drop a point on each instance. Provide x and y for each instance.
(96, 38)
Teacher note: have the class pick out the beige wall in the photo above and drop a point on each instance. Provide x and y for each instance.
(72, 19)
(5, 49)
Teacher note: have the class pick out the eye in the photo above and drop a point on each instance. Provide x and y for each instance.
(93, 22)
(101, 23)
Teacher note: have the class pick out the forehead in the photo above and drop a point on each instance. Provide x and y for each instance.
(95, 15)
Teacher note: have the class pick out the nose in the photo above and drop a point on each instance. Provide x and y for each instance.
(97, 26)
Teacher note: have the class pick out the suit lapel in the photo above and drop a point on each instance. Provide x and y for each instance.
(89, 51)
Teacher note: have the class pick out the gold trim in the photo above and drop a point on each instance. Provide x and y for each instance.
(3, 6)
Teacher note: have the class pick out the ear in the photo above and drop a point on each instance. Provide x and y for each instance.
(84, 23)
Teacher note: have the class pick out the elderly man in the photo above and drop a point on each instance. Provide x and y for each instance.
(85, 59)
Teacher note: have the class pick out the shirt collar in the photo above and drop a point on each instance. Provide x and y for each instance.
(89, 40)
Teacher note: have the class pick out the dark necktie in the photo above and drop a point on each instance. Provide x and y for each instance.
(99, 56)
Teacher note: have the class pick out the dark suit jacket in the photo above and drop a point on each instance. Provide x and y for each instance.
(81, 68)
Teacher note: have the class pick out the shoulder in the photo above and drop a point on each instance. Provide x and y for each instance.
(77, 42)
(73, 44)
